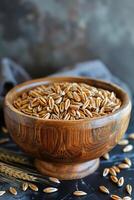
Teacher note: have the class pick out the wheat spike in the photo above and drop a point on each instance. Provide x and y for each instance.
(9, 156)
(13, 172)
(9, 172)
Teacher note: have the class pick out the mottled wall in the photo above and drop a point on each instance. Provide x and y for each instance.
(54, 33)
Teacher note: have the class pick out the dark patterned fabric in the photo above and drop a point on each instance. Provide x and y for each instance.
(89, 184)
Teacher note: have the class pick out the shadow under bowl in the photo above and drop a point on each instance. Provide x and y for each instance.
(66, 149)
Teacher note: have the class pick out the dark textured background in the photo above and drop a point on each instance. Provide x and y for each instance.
(48, 34)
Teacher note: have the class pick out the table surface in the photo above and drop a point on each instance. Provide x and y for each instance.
(89, 184)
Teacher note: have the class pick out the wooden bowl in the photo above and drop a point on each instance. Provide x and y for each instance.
(66, 149)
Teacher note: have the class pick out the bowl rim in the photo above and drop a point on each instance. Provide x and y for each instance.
(36, 82)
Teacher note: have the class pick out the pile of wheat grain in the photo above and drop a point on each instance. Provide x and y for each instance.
(67, 101)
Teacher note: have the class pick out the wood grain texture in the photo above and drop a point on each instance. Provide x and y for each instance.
(65, 142)
(67, 171)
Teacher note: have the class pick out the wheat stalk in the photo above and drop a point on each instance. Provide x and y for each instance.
(16, 173)
(23, 175)
(9, 156)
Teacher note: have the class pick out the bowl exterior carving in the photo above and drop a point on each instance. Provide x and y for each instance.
(69, 143)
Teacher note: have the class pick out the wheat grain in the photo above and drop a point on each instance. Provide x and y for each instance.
(115, 197)
(123, 142)
(121, 181)
(47, 116)
(116, 169)
(50, 190)
(45, 100)
(104, 189)
(2, 193)
(131, 136)
(105, 172)
(51, 103)
(67, 116)
(56, 109)
(13, 190)
(127, 198)
(88, 113)
(55, 180)
(129, 189)
(123, 166)
(67, 104)
(112, 172)
(128, 161)
(58, 101)
(33, 187)
(106, 156)
(24, 186)
(76, 96)
(79, 193)
(128, 148)
(86, 104)
(114, 179)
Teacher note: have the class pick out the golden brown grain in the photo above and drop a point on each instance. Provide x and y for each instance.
(104, 189)
(106, 156)
(67, 116)
(116, 169)
(128, 148)
(24, 186)
(47, 116)
(131, 136)
(127, 198)
(114, 179)
(33, 187)
(123, 142)
(121, 181)
(51, 103)
(76, 96)
(86, 104)
(55, 180)
(2, 192)
(79, 193)
(13, 190)
(129, 189)
(50, 190)
(112, 172)
(123, 166)
(45, 101)
(67, 104)
(128, 161)
(105, 172)
(115, 197)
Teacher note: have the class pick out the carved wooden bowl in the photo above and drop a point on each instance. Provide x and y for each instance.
(66, 149)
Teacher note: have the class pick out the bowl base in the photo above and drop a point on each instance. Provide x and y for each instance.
(67, 171)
